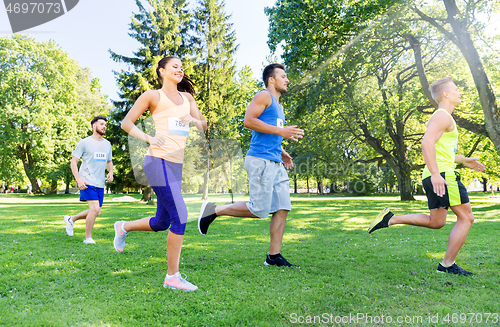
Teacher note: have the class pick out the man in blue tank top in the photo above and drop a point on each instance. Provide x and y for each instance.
(265, 164)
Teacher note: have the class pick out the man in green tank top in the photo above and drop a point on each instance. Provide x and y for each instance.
(441, 183)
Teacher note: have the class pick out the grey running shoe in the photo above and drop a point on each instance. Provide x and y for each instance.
(179, 283)
(280, 261)
(453, 269)
(120, 235)
(207, 216)
(381, 221)
(69, 225)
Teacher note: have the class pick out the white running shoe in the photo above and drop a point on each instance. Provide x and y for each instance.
(69, 225)
(88, 241)
(120, 235)
(176, 282)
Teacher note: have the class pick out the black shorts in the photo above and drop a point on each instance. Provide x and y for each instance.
(455, 192)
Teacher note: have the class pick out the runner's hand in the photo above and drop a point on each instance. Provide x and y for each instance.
(188, 119)
(473, 163)
(292, 132)
(81, 185)
(438, 184)
(109, 177)
(287, 160)
(158, 140)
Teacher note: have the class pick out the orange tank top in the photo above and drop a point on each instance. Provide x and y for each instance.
(167, 123)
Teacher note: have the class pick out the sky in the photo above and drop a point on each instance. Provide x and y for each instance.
(93, 27)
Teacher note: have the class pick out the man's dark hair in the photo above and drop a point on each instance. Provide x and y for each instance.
(269, 72)
(96, 118)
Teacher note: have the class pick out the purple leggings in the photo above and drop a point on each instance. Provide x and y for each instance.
(165, 177)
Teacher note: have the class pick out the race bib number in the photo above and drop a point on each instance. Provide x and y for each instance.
(177, 127)
(100, 156)
(280, 123)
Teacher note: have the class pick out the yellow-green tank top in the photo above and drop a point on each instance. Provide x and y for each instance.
(446, 148)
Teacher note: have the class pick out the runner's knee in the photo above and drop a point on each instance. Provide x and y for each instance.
(95, 211)
(260, 214)
(467, 218)
(435, 224)
(178, 228)
(159, 225)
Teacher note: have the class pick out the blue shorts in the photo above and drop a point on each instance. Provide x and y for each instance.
(92, 193)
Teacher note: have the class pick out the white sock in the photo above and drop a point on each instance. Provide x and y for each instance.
(123, 229)
(170, 276)
(449, 265)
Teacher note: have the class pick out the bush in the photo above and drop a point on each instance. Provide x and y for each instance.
(362, 185)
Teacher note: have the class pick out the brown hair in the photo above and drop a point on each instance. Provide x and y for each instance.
(96, 118)
(186, 85)
(439, 87)
(269, 72)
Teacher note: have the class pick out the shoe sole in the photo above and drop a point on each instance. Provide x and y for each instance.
(116, 234)
(445, 272)
(202, 209)
(266, 264)
(378, 219)
(175, 288)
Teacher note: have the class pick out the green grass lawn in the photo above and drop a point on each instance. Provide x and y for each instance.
(50, 279)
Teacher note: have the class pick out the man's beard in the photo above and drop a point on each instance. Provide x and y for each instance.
(282, 90)
(100, 132)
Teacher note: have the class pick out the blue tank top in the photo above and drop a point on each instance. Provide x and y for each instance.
(268, 146)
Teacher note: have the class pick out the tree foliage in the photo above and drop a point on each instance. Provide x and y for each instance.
(46, 104)
(359, 89)
(460, 25)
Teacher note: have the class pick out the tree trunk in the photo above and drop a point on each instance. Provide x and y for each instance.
(206, 178)
(295, 184)
(486, 94)
(320, 186)
(28, 162)
(485, 181)
(463, 41)
(229, 179)
(307, 184)
(146, 193)
(53, 187)
(67, 180)
(403, 175)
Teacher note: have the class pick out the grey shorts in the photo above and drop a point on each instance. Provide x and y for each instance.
(268, 186)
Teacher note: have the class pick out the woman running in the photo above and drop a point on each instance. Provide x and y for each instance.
(173, 108)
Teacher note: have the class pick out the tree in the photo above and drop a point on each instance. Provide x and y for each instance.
(214, 75)
(364, 74)
(362, 90)
(162, 31)
(89, 98)
(45, 107)
(461, 23)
